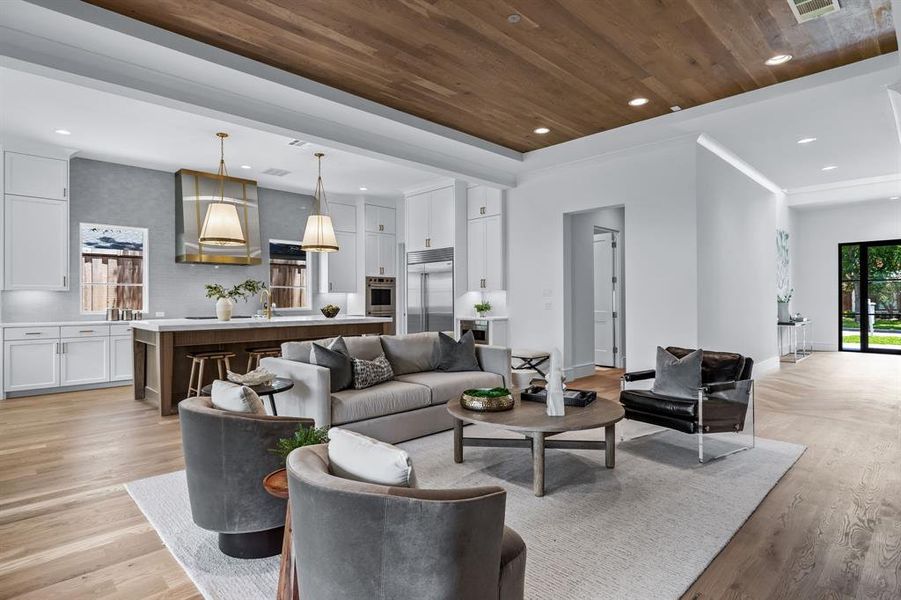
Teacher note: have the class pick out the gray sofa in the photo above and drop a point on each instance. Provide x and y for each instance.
(226, 457)
(355, 541)
(410, 406)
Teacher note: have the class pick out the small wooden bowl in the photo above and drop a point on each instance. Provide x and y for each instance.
(486, 403)
(330, 312)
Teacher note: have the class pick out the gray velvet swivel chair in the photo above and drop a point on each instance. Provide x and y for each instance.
(357, 541)
(226, 457)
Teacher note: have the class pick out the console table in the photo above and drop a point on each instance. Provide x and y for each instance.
(799, 345)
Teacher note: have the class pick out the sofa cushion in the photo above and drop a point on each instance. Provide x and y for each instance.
(649, 402)
(717, 367)
(336, 359)
(456, 355)
(384, 399)
(358, 457)
(368, 373)
(445, 386)
(411, 353)
(300, 351)
(366, 347)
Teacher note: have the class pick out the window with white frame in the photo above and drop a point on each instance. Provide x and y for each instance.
(113, 267)
(289, 275)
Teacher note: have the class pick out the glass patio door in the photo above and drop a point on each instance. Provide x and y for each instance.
(870, 297)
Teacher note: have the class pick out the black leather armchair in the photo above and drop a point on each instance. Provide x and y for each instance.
(722, 405)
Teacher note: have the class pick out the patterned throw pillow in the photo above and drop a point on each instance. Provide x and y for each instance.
(367, 373)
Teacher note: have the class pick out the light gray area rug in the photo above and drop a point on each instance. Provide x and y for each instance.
(644, 530)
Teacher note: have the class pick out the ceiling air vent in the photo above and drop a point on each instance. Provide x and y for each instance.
(807, 10)
(298, 143)
(276, 172)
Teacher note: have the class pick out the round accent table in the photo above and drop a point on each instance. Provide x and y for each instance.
(276, 483)
(276, 386)
(530, 420)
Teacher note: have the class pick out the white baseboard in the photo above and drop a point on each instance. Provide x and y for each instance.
(824, 346)
(577, 371)
(765, 366)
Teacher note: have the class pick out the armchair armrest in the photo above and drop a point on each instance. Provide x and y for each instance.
(722, 386)
(639, 375)
(311, 395)
(495, 359)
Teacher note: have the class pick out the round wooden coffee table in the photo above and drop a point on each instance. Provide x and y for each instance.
(531, 420)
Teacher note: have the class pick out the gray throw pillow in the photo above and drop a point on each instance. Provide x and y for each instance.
(337, 360)
(412, 353)
(678, 377)
(457, 356)
(367, 373)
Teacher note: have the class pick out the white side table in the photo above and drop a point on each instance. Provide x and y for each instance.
(799, 344)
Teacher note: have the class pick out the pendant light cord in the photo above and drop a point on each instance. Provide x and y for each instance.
(223, 170)
(320, 188)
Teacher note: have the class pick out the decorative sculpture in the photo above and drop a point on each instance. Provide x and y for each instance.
(555, 386)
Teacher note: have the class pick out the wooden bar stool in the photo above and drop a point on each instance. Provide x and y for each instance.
(198, 362)
(255, 354)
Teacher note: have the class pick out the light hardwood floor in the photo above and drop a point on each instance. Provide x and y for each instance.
(830, 529)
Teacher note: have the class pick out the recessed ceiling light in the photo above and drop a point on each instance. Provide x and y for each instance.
(514, 18)
(894, 197)
(779, 59)
(638, 101)
(829, 168)
(541, 130)
(363, 188)
(246, 167)
(675, 108)
(63, 132)
(807, 140)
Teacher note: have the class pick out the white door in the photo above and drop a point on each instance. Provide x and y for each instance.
(372, 254)
(475, 255)
(494, 254)
(417, 209)
(120, 358)
(36, 176)
(441, 218)
(30, 364)
(388, 255)
(36, 244)
(84, 360)
(341, 271)
(603, 301)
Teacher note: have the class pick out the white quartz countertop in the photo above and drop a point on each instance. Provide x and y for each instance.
(64, 323)
(478, 318)
(289, 321)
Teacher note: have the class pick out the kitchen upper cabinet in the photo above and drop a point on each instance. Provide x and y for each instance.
(84, 360)
(380, 219)
(36, 176)
(430, 220)
(30, 364)
(339, 269)
(482, 201)
(381, 255)
(344, 217)
(36, 243)
(121, 363)
(485, 254)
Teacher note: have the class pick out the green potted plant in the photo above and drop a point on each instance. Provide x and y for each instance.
(482, 308)
(304, 436)
(225, 297)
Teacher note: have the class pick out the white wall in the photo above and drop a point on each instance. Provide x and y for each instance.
(818, 232)
(656, 185)
(737, 221)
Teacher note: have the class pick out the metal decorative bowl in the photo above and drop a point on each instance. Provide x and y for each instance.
(487, 399)
(330, 310)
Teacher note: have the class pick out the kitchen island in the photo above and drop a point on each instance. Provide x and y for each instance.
(161, 346)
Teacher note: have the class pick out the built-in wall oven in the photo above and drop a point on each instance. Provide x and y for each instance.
(381, 295)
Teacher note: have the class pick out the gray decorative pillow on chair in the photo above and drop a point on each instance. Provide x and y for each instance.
(457, 356)
(336, 359)
(367, 373)
(678, 377)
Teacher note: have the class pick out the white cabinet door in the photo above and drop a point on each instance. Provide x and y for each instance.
(371, 217)
(120, 358)
(30, 364)
(36, 176)
(83, 360)
(341, 266)
(494, 254)
(417, 209)
(344, 217)
(482, 201)
(475, 236)
(380, 219)
(441, 218)
(36, 244)
(372, 254)
(388, 255)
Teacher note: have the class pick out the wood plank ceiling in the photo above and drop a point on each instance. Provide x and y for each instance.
(569, 65)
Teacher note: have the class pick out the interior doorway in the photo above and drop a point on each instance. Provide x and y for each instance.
(606, 279)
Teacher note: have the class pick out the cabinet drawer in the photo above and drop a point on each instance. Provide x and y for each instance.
(82, 331)
(30, 333)
(120, 329)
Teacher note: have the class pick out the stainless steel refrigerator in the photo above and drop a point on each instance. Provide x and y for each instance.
(430, 290)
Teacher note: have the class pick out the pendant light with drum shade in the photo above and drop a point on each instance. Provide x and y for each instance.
(222, 226)
(319, 235)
